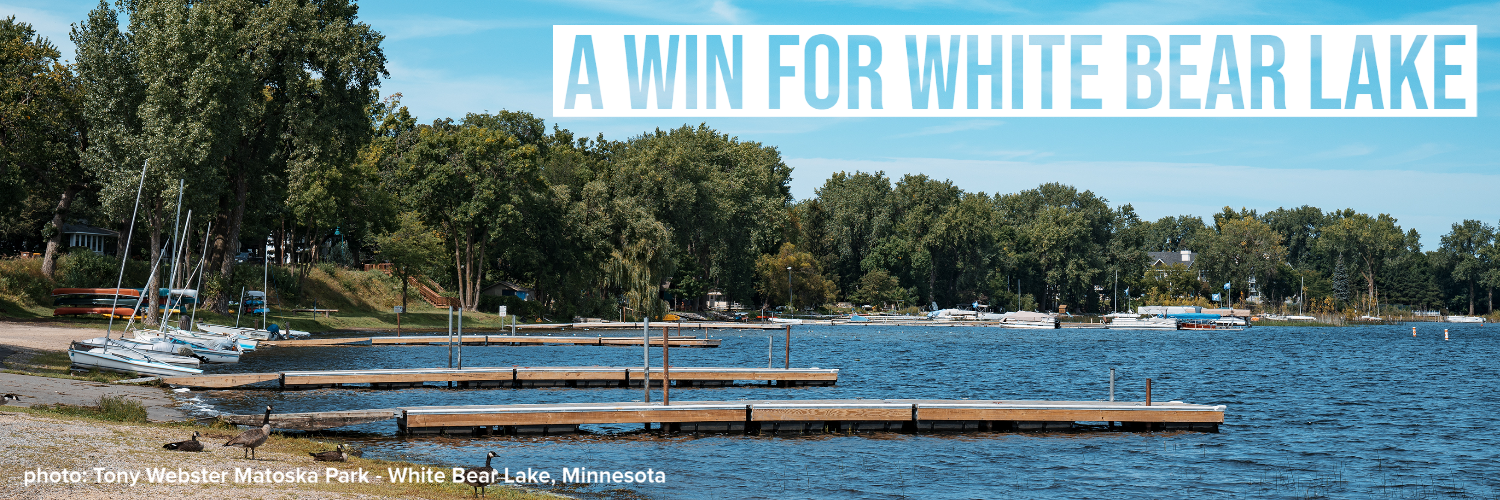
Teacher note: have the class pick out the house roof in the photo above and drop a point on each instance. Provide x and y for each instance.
(1184, 257)
(82, 229)
(501, 286)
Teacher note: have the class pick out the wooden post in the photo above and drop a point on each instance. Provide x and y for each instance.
(1148, 392)
(666, 367)
(789, 346)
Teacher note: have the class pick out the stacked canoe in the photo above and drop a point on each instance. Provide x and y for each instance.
(119, 302)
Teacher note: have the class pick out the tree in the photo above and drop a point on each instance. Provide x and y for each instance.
(411, 249)
(468, 180)
(853, 215)
(40, 129)
(879, 288)
(809, 286)
(1340, 281)
(1370, 241)
(1465, 246)
(1241, 247)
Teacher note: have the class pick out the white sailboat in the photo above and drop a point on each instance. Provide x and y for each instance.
(164, 352)
(253, 333)
(116, 361)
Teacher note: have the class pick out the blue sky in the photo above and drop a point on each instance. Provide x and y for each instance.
(449, 58)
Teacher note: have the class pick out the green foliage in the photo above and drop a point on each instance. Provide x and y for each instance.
(1239, 248)
(1340, 281)
(810, 288)
(880, 289)
(83, 268)
(109, 408)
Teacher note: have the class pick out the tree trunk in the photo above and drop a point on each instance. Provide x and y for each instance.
(153, 301)
(232, 235)
(54, 243)
(1471, 297)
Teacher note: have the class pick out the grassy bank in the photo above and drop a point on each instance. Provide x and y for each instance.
(365, 300)
(95, 437)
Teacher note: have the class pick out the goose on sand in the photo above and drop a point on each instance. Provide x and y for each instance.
(189, 445)
(330, 456)
(253, 438)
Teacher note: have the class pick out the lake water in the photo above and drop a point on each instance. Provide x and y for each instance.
(1355, 412)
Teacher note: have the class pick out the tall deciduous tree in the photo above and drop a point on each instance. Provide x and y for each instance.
(1241, 247)
(1370, 241)
(1464, 246)
(40, 129)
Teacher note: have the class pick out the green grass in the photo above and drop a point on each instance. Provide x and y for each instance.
(109, 408)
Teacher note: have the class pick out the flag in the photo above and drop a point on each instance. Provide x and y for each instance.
(1226, 286)
(1127, 291)
(1216, 297)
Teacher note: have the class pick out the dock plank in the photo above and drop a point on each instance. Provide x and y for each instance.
(505, 375)
(221, 381)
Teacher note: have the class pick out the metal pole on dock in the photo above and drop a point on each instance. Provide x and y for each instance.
(460, 336)
(646, 356)
(1111, 384)
(666, 367)
(1148, 392)
(789, 346)
(240, 307)
(450, 333)
(769, 342)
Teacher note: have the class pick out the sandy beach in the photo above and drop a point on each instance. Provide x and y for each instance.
(42, 336)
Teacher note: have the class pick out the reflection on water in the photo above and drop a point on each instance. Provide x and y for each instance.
(1360, 412)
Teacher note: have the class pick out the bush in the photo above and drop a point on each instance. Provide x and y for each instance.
(121, 409)
(82, 268)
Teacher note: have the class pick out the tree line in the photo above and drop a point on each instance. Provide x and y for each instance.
(269, 115)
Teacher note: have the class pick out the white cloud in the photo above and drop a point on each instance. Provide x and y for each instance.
(1158, 189)
(992, 6)
(1345, 151)
(414, 27)
(52, 23)
(1167, 12)
(1486, 15)
(956, 126)
(691, 11)
(433, 94)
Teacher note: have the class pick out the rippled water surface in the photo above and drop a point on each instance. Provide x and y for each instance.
(1358, 412)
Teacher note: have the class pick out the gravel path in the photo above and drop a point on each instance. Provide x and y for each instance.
(33, 441)
(46, 338)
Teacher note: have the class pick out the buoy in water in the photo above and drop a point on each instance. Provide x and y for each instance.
(1445, 334)
(1413, 331)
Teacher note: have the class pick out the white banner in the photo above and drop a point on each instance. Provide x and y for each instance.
(992, 71)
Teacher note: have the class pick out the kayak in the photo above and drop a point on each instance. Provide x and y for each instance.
(123, 292)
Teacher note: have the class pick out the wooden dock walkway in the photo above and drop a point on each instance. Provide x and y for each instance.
(513, 340)
(812, 416)
(514, 377)
(772, 417)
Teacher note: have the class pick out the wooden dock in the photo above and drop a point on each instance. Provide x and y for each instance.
(773, 417)
(486, 340)
(513, 377)
(812, 416)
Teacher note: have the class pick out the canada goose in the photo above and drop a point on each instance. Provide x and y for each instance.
(330, 456)
(253, 438)
(484, 477)
(9, 397)
(189, 445)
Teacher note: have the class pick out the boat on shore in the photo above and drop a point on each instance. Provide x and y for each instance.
(125, 361)
(252, 333)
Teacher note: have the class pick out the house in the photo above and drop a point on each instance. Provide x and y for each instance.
(99, 240)
(508, 289)
(1166, 259)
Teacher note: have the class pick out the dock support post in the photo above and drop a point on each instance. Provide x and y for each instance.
(1111, 385)
(666, 366)
(460, 336)
(788, 347)
(646, 356)
(769, 343)
(1148, 392)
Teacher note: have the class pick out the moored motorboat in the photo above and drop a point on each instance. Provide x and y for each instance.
(1136, 322)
